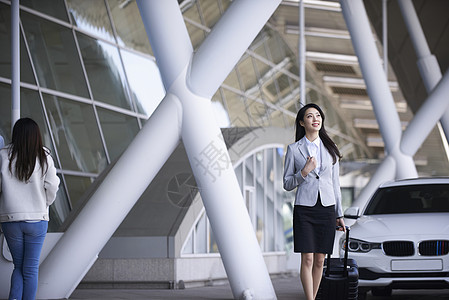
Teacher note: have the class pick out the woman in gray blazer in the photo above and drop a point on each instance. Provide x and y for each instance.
(312, 166)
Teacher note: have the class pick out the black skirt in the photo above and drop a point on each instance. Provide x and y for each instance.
(314, 228)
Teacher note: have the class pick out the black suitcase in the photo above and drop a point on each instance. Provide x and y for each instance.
(340, 277)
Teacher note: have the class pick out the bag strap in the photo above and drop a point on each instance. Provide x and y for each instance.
(346, 251)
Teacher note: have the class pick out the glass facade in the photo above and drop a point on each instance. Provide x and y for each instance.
(90, 80)
(269, 206)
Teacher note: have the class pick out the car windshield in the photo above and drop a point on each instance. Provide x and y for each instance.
(425, 198)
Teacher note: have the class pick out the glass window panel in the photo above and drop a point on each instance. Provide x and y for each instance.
(77, 186)
(201, 235)
(238, 172)
(236, 109)
(259, 168)
(270, 226)
(5, 112)
(260, 219)
(249, 171)
(91, 16)
(104, 71)
(76, 134)
(145, 82)
(278, 182)
(31, 107)
(279, 234)
(213, 247)
(49, 7)
(59, 210)
(118, 130)
(347, 197)
(287, 212)
(54, 54)
(269, 188)
(128, 25)
(26, 73)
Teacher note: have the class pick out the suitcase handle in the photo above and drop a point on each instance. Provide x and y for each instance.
(345, 261)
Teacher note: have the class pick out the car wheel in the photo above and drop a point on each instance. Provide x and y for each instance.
(381, 291)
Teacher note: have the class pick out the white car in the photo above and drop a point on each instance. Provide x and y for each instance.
(400, 239)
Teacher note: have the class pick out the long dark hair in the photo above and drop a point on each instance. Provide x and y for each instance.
(26, 146)
(301, 132)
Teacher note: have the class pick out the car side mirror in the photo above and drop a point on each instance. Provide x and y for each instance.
(352, 212)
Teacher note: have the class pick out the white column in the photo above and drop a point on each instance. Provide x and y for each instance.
(205, 147)
(15, 62)
(427, 62)
(377, 85)
(76, 251)
(426, 117)
(412, 138)
(222, 198)
(168, 35)
(302, 54)
(396, 164)
(373, 73)
(225, 45)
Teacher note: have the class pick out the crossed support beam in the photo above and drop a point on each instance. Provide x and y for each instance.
(400, 146)
(190, 80)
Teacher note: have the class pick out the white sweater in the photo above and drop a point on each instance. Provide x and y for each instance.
(20, 201)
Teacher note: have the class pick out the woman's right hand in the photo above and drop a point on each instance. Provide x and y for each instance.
(310, 165)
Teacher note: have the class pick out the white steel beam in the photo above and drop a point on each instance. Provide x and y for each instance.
(396, 164)
(190, 81)
(414, 135)
(427, 62)
(168, 36)
(426, 117)
(302, 54)
(15, 62)
(377, 85)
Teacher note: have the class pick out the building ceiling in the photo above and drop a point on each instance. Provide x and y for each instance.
(331, 58)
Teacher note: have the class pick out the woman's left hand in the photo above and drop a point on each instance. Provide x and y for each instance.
(341, 224)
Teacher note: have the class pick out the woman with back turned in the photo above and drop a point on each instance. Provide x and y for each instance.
(28, 185)
(312, 166)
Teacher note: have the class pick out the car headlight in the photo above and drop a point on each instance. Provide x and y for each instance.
(355, 245)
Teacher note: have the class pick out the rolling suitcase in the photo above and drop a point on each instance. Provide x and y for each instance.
(340, 277)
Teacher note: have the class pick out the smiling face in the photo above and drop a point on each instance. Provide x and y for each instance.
(312, 121)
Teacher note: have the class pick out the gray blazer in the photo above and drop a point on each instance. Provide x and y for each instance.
(326, 182)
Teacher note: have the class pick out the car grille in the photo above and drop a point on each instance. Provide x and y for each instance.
(399, 248)
(433, 248)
